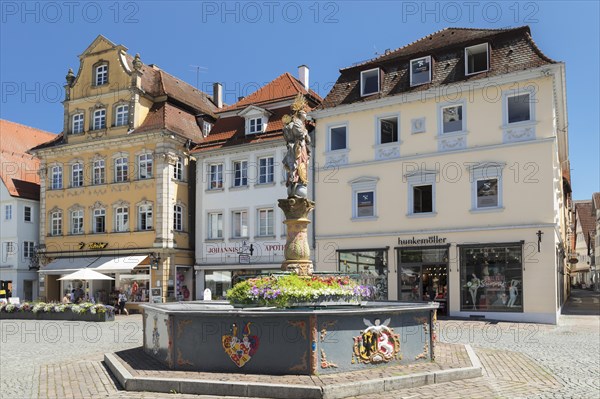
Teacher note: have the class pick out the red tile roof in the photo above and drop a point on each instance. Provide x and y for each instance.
(19, 170)
(583, 209)
(167, 116)
(231, 130)
(283, 87)
(157, 82)
(511, 50)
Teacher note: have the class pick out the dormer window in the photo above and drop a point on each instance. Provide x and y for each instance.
(420, 71)
(101, 75)
(77, 124)
(255, 125)
(99, 119)
(256, 119)
(206, 128)
(369, 82)
(476, 59)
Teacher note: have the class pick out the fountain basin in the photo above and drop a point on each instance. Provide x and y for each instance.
(218, 337)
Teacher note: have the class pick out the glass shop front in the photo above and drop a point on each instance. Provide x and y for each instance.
(371, 266)
(423, 275)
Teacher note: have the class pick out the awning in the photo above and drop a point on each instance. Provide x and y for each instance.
(113, 264)
(67, 265)
(102, 264)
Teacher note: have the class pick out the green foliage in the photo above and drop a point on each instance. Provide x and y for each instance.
(287, 290)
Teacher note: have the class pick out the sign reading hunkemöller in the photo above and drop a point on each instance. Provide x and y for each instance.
(422, 241)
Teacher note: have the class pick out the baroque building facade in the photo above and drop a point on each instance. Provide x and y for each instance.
(444, 175)
(116, 184)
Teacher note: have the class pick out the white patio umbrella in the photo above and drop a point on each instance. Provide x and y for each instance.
(86, 274)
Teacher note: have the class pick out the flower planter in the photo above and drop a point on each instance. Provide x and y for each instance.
(67, 315)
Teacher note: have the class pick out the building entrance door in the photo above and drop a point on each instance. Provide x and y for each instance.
(423, 275)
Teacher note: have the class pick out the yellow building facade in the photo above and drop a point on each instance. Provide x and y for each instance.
(115, 187)
(445, 177)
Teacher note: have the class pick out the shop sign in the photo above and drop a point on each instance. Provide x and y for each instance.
(93, 245)
(422, 241)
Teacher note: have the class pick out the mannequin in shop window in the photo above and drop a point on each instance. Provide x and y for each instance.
(474, 285)
(513, 293)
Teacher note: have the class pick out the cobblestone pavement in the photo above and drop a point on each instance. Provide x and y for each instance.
(50, 359)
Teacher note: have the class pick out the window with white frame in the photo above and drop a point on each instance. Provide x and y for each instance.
(388, 129)
(9, 249)
(121, 169)
(122, 115)
(178, 218)
(452, 119)
(121, 218)
(7, 212)
(77, 175)
(99, 221)
(420, 71)
(215, 225)
(369, 82)
(337, 138)
(145, 217)
(364, 197)
(77, 123)
(99, 171)
(266, 222)
(56, 223)
(206, 128)
(266, 171)
(518, 108)
(56, 182)
(27, 215)
(28, 249)
(240, 173)
(476, 59)
(101, 75)
(99, 121)
(215, 176)
(240, 224)
(421, 192)
(486, 186)
(145, 164)
(77, 221)
(178, 169)
(255, 125)
(365, 204)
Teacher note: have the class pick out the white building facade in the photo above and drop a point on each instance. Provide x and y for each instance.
(239, 178)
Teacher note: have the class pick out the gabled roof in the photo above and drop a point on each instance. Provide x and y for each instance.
(511, 50)
(281, 88)
(19, 170)
(583, 210)
(157, 83)
(231, 130)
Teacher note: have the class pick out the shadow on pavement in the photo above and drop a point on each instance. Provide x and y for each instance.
(582, 303)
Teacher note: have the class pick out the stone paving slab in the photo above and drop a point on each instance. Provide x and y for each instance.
(137, 371)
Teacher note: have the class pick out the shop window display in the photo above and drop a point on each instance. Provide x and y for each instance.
(136, 286)
(371, 266)
(491, 278)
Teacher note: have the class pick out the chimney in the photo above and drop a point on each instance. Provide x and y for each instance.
(303, 76)
(218, 94)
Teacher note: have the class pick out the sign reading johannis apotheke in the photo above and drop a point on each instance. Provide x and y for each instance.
(422, 241)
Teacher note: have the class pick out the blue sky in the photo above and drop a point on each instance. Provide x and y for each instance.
(246, 44)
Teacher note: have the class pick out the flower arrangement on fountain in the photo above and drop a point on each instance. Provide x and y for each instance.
(293, 290)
